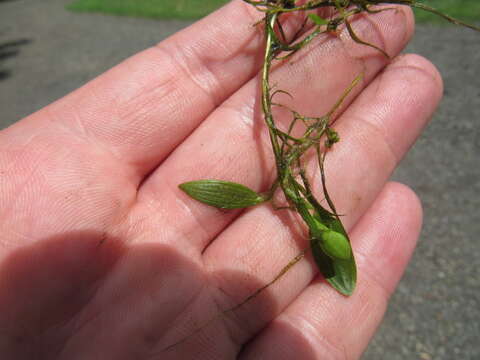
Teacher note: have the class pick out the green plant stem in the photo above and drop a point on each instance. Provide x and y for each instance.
(270, 20)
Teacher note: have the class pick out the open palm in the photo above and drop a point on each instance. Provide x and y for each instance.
(103, 257)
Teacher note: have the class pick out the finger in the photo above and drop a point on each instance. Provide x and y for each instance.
(141, 109)
(320, 323)
(233, 144)
(262, 241)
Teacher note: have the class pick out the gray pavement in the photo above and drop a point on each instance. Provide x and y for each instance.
(61, 51)
(435, 313)
(45, 52)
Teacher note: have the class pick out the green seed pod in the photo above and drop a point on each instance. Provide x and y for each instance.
(336, 245)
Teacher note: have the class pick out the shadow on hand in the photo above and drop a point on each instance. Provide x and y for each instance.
(72, 293)
(43, 286)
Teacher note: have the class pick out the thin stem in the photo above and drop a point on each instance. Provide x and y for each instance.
(266, 97)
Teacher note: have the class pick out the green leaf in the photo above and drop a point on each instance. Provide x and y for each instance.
(345, 277)
(317, 19)
(222, 194)
(340, 273)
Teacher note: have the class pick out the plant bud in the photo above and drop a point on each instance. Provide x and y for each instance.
(336, 245)
(317, 229)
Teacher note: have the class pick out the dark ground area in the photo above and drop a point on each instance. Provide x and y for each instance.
(45, 52)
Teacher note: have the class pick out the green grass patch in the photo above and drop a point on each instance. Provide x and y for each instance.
(158, 9)
(468, 10)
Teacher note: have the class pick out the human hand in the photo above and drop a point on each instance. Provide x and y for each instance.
(103, 257)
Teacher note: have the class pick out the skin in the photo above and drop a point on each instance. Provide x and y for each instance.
(103, 257)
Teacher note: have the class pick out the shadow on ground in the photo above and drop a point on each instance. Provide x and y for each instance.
(8, 50)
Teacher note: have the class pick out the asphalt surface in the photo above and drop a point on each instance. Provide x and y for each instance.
(46, 51)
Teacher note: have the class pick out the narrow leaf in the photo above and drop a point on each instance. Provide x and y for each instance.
(222, 194)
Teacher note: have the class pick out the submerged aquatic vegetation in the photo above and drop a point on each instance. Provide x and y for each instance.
(328, 239)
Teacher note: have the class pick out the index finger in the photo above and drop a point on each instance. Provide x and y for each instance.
(141, 109)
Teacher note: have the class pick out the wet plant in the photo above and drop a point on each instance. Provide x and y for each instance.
(328, 239)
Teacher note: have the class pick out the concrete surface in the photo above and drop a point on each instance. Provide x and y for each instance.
(60, 51)
(435, 313)
(45, 52)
